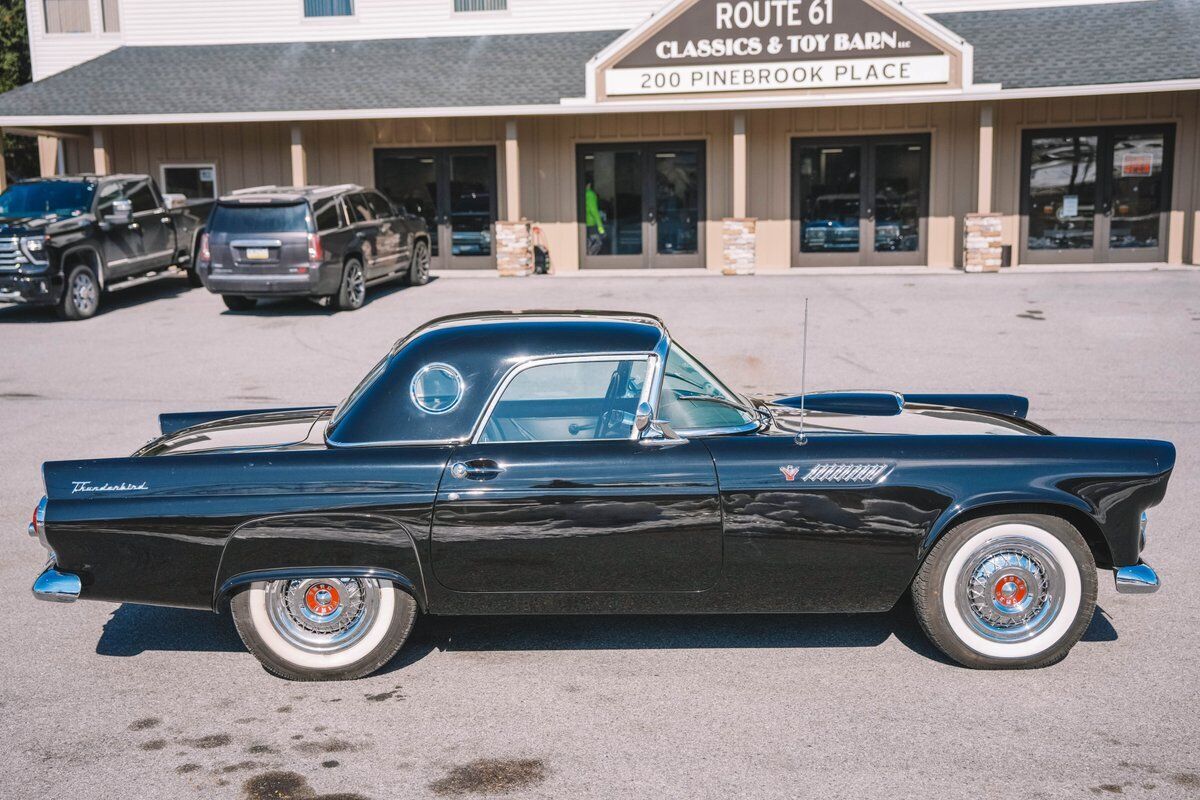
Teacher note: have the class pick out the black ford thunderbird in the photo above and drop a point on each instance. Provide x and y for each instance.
(584, 462)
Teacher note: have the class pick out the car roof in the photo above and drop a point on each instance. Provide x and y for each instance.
(262, 195)
(481, 347)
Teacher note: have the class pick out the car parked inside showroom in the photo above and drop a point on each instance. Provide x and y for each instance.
(329, 243)
(65, 240)
(585, 462)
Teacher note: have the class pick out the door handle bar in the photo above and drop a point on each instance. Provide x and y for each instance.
(476, 470)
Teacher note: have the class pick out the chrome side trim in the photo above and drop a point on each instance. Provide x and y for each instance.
(1137, 579)
(57, 587)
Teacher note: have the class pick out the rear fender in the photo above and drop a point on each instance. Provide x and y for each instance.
(329, 544)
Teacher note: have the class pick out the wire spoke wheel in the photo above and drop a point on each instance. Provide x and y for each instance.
(323, 615)
(1010, 590)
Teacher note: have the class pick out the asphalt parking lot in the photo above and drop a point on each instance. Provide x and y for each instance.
(100, 700)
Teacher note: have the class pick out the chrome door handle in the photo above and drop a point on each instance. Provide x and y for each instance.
(165, 220)
(477, 470)
(134, 226)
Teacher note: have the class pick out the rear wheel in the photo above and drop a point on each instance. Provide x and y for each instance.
(418, 271)
(1015, 591)
(81, 294)
(353, 293)
(235, 302)
(316, 629)
(193, 273)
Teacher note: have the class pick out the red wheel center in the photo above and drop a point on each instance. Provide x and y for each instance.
(322, 599)
(1010, 591)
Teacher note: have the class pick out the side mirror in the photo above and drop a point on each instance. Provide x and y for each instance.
(121, 213)
(643, 417)
(172, 200)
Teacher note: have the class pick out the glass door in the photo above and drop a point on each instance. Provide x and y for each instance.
(860, 201)
(641, 205)
(454, 191)
(1096, 195)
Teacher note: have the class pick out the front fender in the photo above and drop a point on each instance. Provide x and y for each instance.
(328, 543)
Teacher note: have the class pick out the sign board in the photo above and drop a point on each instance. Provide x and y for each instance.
(765, 45)
(1137, 165)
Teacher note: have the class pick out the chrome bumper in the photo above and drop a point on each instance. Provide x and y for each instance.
(1137, 579)
(55, 586)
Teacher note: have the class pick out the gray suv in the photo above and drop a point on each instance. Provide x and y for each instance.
(327, 242)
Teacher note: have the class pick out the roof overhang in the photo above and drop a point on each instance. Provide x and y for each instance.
(53, 125)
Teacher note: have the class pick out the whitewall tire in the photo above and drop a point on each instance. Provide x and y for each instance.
(323, 628)
(1012, 591)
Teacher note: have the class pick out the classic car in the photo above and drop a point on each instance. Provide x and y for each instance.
(584, 462)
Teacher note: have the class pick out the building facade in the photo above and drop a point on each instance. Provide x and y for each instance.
(744, 136)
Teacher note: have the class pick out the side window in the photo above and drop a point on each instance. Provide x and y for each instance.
(360, 207)
(692, 399)
(381, 207)
(327, 216)
(568, 401)
(141, 196)
(108, 193)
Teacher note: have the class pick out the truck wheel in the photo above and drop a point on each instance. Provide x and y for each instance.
(323, 629)
(235, 302)
(353, 293)
(1014, 591)
(418, 272)
(193, 274)
(81, 294)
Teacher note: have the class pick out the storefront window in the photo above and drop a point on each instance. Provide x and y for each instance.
(1062, 192)
(193, 181)
(898, 183)
(677, 201)
(613, 202)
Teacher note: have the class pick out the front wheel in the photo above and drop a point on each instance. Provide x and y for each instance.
(319, 629)
(418, 271)
(1014, 591)
(81, 294)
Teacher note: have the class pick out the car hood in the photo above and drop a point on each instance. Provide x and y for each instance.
(280, 430)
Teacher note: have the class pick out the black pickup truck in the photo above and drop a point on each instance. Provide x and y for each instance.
(65, 240)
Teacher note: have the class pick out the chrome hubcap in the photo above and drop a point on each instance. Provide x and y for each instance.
(1011, 590)
(83, 292)
(323, 615)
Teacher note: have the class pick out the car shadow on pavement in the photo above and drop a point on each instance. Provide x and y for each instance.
(308, 307)
(172, 284)
(134, 629)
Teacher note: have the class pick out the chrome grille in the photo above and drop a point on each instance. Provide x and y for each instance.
(10, 254)
(840, 472)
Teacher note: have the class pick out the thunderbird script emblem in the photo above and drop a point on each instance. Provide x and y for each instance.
(790, 472)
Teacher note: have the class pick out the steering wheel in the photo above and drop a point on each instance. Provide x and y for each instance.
(611, 418)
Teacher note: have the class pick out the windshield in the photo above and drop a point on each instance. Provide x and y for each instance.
(693, 399)
(47, 199)
(239, 219)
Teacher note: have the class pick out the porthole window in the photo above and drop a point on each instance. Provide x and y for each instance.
(437, 388)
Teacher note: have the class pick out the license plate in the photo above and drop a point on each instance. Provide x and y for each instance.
(257, 253)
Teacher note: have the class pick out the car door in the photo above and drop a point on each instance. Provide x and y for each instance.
(152, 225)
(555, 495)
(367, 234)
(393, 242)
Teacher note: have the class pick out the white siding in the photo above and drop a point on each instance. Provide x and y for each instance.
(181, 22)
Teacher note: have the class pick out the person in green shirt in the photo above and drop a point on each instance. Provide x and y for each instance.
(593, 219)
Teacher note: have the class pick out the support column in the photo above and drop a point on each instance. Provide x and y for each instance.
(514, 238)
(739, 233)
(299, 159)
(99, 153)
(48, 156)
(3, 164)
(983, 230)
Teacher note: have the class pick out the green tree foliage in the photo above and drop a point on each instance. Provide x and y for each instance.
(20, 152)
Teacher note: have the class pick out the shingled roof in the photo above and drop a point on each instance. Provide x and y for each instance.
(1135, 42)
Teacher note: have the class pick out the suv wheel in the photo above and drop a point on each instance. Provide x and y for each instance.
(235, 302)
(193, 271)
(418, 273)
(353, 293)
(81, 294)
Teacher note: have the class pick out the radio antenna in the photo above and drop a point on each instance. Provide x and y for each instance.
(800, 437)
